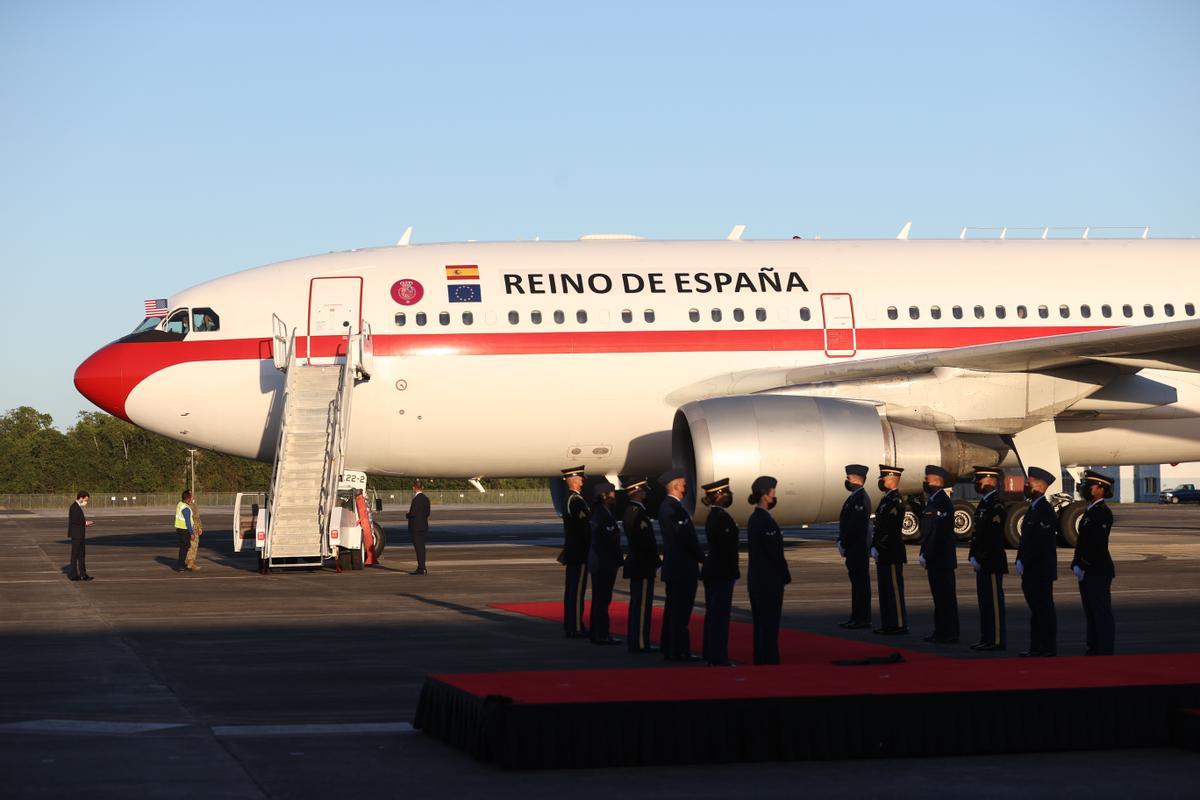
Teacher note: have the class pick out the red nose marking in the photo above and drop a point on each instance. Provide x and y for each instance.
(103, 380)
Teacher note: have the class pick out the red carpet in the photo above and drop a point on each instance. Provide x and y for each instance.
(795, 646)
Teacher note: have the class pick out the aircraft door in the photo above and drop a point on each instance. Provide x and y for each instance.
(841, 340)
(334, 310)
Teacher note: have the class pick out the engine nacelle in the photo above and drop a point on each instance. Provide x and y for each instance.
(805, 442)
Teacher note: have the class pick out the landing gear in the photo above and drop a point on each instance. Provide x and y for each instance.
(1068, 522)
(380, 538)
(964, 520)
(1012, 524)
(910, 528)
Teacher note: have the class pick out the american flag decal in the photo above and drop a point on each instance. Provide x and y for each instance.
(156, 308)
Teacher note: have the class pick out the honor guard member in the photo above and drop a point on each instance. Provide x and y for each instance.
(641, 564)
(576, 541)
(1093, 565)
(1037, 564)
(682, 556)
(604, 559)
(853, 545)
(889, 552)
(766, 571)
(720, 571)
(938, 556)
(988, 560)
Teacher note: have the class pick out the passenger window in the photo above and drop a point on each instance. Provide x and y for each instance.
(535, 317)
(444, 318)
(1189, 309)
(1001, 312)
(420, 318)
(1043, 312)
(1064, 311)
(205, 320)
(400, 319)
(914, 312)
(1085, 311)
(648, 315)
(513, 318)
(935, 312)
(892, 313)
(1148, 310)
(626, 315)
(1106, 311)
(178, 323)
(760, 314)
(581, 316)
(1022, 312)
(1127, 310)
(1169, 309)
(738, 315)
(694, 314)
(956, 312)
(806, 315)
(560, 317)
(716, 315)
(469, 318)
(978, 312)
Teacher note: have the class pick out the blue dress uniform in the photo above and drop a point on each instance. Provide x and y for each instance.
(682, 556)
(604, 559)
(1094, 566)
(766, 573)
(576, 541)
(1039, 571)
(641, 565)
(991, 564)
(888, 543)
(938, 550)
(719, 573)
(853, 534)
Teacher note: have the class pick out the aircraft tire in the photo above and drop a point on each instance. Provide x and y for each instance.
(964, 520)
(380, 537)
(1068, 522)
(1012, 524)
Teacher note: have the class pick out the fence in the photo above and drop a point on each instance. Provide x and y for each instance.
(160, 499)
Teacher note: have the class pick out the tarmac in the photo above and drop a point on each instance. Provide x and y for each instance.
(227, 683)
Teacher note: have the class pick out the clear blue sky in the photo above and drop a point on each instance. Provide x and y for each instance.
(145, 147)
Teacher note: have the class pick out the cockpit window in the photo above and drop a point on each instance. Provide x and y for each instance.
(205, 320)
(148, 324)
(177, 322)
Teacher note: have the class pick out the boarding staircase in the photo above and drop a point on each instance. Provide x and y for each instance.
(310, 451)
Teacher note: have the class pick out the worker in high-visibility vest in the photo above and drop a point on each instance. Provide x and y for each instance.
(197, 532)
(184, 528)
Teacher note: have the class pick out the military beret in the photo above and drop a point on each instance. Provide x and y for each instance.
(1042, 475)
(673, 474)
(571, 472)
(1091, 476)
(987, 472)
(763, 484)
(887, 469)
(636, 483)
(716, 486)
(934, 469)
(857, 469)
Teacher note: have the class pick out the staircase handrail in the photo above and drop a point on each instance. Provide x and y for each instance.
(336, 429)
(273, 499)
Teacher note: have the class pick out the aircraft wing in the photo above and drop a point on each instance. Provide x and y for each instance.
(1168, 346)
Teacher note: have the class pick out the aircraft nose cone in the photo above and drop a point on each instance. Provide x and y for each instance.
(101, 379)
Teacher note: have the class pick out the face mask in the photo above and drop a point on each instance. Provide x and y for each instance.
(726, 501)
(771, 504)
(1085, 491)
(930, 488)
(1030, 494)
(851, 486)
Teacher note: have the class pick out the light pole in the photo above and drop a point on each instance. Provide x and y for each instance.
(192, 464)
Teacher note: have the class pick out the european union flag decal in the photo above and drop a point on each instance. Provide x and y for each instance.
(465, 293)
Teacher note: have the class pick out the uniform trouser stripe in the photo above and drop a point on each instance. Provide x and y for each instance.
(995, 611)
(641, 611)
(900, 623)
(579, 592)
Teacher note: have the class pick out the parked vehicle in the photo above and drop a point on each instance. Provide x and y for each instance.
(1183, 493)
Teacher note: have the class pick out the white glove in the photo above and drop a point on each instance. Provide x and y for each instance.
(1020, 568)
(921, 558)
(1078, 571)
(974, 563)
(874, 554)
(841, 550)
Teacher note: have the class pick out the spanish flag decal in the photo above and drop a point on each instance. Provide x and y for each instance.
(462, 273)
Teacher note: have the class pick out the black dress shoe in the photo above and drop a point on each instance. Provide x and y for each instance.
(607, 640)
(856, 626)
(993, 647)
(419, 571)
(847, 624)
(891, 631)
(979, 645)
(87, 578)
(721, 664)
(577, 634)
(74, 578)
(1029, 654)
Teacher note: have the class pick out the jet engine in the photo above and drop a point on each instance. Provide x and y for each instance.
(805, 442)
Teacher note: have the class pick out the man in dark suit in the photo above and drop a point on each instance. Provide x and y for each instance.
(418, 525)
(1093, 565)
(641, 565)
(889, 552)
(988, 559)
(853, 546)
(1037, 564)
(938, 555)
(682, 557)
(77, 525)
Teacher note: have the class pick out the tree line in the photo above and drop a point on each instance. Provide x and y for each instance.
(101, 453)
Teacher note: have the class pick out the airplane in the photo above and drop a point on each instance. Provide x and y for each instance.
(731, 358)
